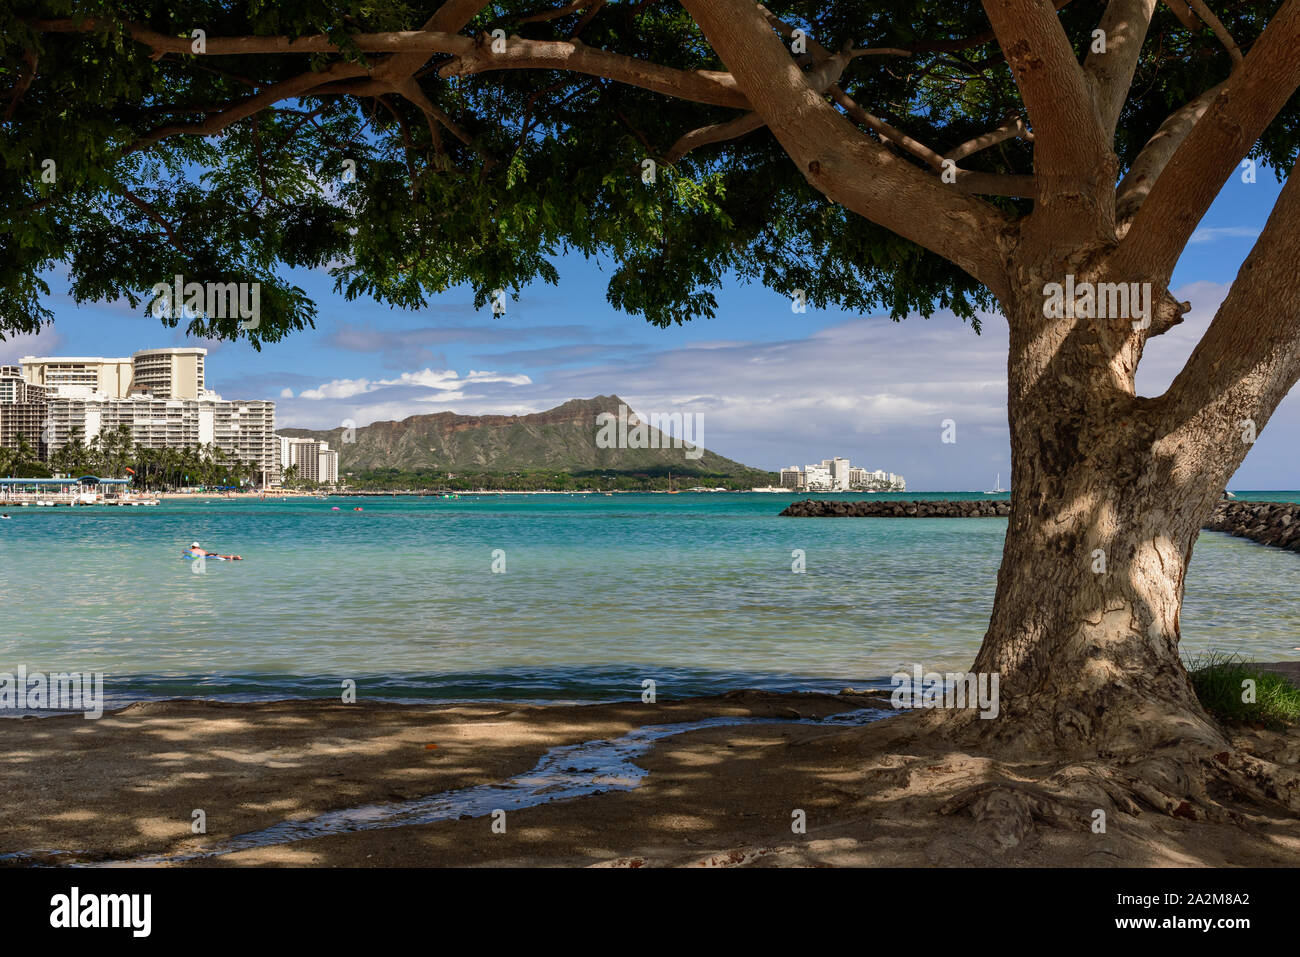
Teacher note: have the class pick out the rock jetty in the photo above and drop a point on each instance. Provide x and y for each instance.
(970, 508)
(1269, 523)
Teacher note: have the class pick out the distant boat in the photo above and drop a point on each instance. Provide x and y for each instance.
(998, 489)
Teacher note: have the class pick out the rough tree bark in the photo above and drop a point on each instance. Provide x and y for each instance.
(1085, 625)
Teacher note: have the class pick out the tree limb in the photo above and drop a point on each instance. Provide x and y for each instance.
(410, 89)
(286, 89)
(1249, 358)
(1074, 165)
(1125, 24)
(1155, 155)
(154, 216)
(1011, 128)
(700, 86)
(1218, 29)
(24, 81)
(972, 182)
(839, 160)
(451, 17)
(1248, 101)
(717, 133)
(992, 184)
(548, 15)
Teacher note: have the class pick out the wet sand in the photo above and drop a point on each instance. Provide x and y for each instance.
(126, 786)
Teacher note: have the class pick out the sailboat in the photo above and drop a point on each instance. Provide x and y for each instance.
(997, 489)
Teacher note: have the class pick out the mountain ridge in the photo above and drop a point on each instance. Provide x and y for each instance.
(560, 439)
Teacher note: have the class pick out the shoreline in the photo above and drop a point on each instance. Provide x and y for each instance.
(708, 781)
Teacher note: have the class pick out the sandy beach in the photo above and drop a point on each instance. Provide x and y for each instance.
(124, 789)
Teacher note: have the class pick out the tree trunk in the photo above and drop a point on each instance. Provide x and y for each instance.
(1085, 625)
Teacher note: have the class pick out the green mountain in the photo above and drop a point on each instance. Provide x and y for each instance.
(563, 439)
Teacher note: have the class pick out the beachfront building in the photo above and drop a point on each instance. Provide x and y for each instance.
(162, 373)
(315, 460)
(79, 374)
(810, 478)
(15, 389)
(838, 475)
(243, 430)
(169, 373)
(838, 469)
(159, 395)
(23, 421)
(22, 410)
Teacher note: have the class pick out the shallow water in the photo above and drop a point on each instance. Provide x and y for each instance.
(693, 591)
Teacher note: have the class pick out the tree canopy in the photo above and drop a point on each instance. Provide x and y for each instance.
(410, 148)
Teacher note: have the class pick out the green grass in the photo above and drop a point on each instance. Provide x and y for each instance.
(1218, 679)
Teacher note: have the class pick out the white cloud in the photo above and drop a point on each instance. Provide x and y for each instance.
(43, 343)
(337, 389)
(447, 383)
(1208, 234)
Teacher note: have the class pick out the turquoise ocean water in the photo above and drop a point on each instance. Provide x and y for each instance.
(598, 593)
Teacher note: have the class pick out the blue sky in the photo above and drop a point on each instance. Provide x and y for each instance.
(774, 387)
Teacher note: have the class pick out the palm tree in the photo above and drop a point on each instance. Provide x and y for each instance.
(23, 452)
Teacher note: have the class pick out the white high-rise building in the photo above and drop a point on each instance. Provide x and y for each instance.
(839, 472)
(80, 375)
(160, 395)
(161, 373)
(838, 475)
(817, 477)
(315, 460)
(169, 373)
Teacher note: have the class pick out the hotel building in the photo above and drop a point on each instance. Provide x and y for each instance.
(159, 394)
(837, 475)
(315, 460)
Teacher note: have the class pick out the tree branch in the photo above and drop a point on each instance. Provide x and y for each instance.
(1155, 155)
(548, 15)
(1248, 101)
(1218, 29)
(1074, 165)
(842, 162)
(1110, 74)
(451, 17)
(717, 133)
(1249, 358)
(287, 89)
(972, 182)
(993, 184)
(700, 86)
(24, 81)
(154, 216)
(1011, 128)
(401, 41)
(410, 89)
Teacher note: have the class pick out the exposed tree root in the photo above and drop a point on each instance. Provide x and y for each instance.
(1183, 780)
